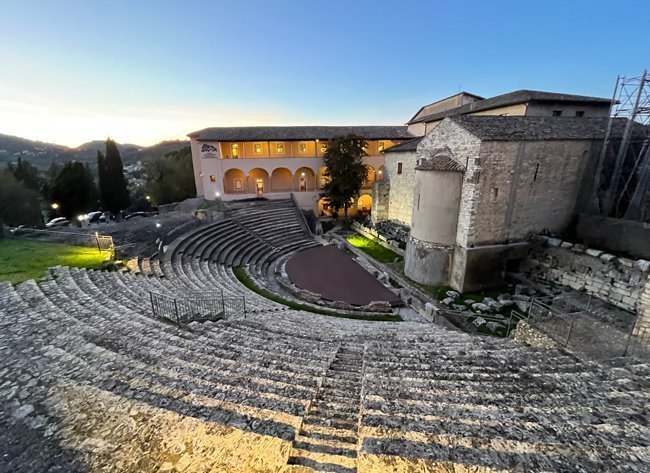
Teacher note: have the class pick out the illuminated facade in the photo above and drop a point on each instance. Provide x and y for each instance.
(244, 162)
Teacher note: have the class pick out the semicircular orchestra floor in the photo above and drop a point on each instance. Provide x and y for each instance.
(334, 275)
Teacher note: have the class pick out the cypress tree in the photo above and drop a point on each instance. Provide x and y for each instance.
(112, 183)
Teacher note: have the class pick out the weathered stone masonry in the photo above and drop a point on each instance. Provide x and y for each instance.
(619, 281)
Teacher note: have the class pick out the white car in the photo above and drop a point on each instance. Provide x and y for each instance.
(58, 222)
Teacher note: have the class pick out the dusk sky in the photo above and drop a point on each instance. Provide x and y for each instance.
(145, 71)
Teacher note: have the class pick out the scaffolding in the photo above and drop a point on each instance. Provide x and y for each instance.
(622, 179)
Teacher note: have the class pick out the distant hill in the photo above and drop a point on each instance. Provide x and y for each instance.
(43, 154)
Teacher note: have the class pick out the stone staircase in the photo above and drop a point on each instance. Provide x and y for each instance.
(328, 437)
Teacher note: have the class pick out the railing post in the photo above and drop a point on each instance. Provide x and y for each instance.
(176, 311)
(244, 302)
(573, 319)
(151, 298)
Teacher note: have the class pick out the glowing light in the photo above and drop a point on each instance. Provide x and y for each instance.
(380, 171)
(148, 198)
(217, 194)
(55, 206)
(302, 174)
(158, 225)
(80, 218)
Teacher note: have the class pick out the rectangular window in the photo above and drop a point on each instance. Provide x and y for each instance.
(380, 146)
(234, 149)
(257, 148)
(399, 168)
(302, 147)
(557, 113)
(279, 148)
(580, 113)
(213, 178)
(238, 184)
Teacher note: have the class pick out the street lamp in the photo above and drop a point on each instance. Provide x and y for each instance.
(55, 206)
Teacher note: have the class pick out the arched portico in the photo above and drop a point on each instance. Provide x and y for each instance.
(304, 180)
(234, 181)
(281, 180)
(322, 178)
(380, 173)
(370, 178)
(364, 204)
(258, 181)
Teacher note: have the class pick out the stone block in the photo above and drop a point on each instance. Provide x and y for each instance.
(554, 242)
(578, 248)
(642, 265)
(566, 245)
(479, 322)
(379, 306)
(626, 262)
(430, 309)
(481, 307)
(594, 253)
(453, 294)
(448, 301)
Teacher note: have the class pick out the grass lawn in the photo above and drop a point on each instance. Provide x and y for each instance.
(374, 249)
(23, 260)
(240, 273)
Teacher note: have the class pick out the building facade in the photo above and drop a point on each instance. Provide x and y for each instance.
(244, 162)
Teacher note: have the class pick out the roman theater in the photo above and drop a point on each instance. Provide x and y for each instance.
(255, 339)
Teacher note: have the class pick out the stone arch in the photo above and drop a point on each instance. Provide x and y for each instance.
(371, 176)
(258, 181)
(380, 173)
(234, 181)
(281, 180)
(364, 204)
(304, 180)
(322, 179)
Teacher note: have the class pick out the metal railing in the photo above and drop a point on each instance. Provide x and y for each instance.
(184, 310)
(574, 327)
(103, 243)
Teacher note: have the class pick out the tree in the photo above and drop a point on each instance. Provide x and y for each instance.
(171, 178)
(112, 183)
(27, 174)
(18, 204)
(345, 172)
(74, 190)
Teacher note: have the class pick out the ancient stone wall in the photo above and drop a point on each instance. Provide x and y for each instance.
(619, 281)
(525, 188)
(380, 200)
(400, 204)
(465, 149)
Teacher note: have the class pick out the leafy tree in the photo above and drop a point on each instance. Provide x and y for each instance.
(74, 190)
(112, 183)
(18, 204)
(171, 178)
(346, 171)
(27, 174)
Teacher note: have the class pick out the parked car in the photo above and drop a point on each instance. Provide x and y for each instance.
(18, 230)
(136, 214)
(95, 217)
(58, 222)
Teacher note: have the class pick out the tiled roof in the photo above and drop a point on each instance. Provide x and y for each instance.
(511, 98)
(296, 133)
(440, 160)
(542, 128)
(410, 145)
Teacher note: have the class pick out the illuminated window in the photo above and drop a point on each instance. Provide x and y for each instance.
(380, 146)
(213, 178)
(557, 113)
(302, 147)
(399, 168)
(279, 148)
(257, 148)
(323, 147)
(238, 184)
(234, 149)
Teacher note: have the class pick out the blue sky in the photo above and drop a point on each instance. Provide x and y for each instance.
(144, 71)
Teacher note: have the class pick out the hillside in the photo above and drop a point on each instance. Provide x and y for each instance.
(43, 154)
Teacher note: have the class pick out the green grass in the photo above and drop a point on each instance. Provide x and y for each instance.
(23, 260)
(243, 277)
(373, 249)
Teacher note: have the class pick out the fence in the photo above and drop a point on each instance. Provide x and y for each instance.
(573, 326)
(103, 243)
(196, 309)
